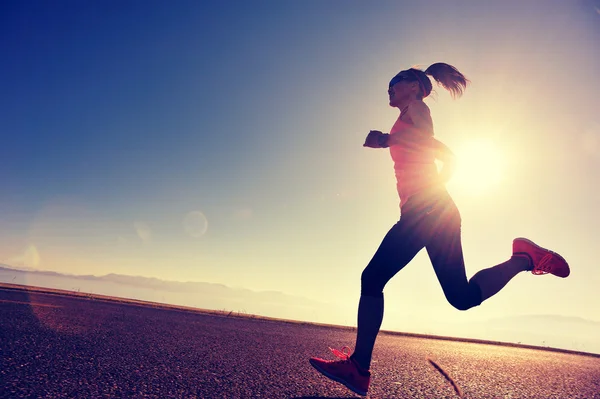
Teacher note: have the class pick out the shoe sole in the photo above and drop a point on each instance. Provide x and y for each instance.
(544, 249)
(336, 379)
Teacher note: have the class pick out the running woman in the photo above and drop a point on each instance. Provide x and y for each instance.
(429, 219)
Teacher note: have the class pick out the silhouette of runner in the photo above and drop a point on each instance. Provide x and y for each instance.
(429, 219)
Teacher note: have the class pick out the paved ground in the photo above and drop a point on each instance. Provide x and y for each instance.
(54, 346)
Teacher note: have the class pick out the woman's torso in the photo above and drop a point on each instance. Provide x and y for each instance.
(414, 164)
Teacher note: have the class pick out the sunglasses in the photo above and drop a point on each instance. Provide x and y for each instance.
(397, 79)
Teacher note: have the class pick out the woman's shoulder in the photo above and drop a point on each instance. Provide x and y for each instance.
(419, 114)
(416, 107)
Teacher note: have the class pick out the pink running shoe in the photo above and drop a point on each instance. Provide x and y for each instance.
(345, 371)
(543, 260)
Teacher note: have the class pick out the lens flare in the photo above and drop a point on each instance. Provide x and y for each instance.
(590, 141)
(29, 258)
(143, 231)
(195, 224)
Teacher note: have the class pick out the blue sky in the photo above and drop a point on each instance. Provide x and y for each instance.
(120, 120)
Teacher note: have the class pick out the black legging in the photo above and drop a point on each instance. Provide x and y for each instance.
(430, 221)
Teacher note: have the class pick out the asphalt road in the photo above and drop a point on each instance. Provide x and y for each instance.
(54, 346)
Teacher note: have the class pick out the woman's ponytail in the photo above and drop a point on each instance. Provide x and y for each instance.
(449, 78)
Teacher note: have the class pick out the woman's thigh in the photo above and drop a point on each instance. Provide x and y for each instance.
(399, 246)
(446, 254)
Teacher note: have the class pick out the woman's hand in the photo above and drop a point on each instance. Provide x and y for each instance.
(376, 139)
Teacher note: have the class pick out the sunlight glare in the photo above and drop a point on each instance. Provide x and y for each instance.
(480, 166)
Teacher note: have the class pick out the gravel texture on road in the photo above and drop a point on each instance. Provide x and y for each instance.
(62, 346)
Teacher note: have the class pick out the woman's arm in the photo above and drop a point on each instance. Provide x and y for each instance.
(443, 153)
(416, 133)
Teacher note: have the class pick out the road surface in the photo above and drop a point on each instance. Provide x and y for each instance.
(64, 346)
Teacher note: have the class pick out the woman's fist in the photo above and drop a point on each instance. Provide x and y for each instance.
(376, 139)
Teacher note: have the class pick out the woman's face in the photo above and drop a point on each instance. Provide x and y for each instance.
(398, 92)
(401, 89)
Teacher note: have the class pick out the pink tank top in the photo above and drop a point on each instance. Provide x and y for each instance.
(414, 164)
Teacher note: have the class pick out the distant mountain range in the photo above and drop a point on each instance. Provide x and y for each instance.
(196, 294)
(556, 331)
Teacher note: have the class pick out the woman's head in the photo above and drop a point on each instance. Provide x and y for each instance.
(414, 83)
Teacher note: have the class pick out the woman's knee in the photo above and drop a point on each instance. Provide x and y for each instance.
(371, 284)
(464, 300)
(461, 304)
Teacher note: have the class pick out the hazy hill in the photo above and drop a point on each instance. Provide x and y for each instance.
(196, 294)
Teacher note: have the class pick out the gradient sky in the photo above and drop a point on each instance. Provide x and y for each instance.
(222, 142)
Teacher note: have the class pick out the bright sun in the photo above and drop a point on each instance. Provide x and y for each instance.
(479, 166)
